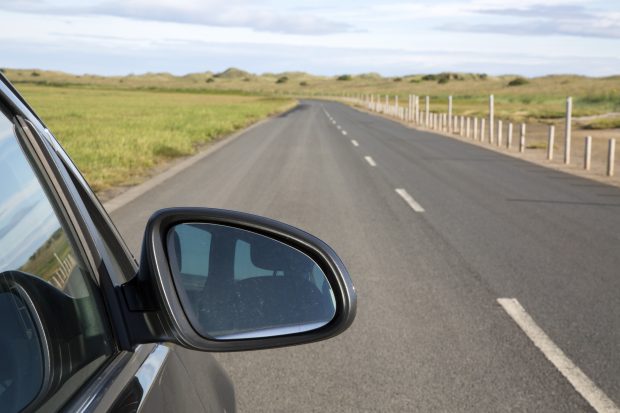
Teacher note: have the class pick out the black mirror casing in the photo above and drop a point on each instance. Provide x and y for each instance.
(156, 311)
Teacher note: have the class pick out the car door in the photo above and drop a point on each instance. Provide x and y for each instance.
(54, 233)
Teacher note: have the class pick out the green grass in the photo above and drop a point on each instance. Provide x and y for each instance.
(604, 123)
(540, 98)
(116, 137)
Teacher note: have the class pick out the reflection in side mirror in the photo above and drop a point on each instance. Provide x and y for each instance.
(239, 284)
(21, 349)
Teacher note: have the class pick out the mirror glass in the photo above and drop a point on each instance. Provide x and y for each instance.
(21, 352)
(237, 284)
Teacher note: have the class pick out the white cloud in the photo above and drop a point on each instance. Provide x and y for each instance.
(115, 37)
(221, 13)
(546, 19)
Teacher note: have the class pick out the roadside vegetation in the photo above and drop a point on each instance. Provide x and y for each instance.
(119, 128)
(117, 137)
(516, 97)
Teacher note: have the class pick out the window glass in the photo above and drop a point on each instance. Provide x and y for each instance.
(244, 267)
(34, 242)
(197, 242)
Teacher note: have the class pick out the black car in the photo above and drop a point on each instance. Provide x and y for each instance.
(84, 327)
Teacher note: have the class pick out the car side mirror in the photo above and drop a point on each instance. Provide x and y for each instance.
(218, 280)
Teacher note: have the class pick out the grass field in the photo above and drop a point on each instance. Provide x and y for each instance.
(516, 98)
(116, 137)
(119, 128)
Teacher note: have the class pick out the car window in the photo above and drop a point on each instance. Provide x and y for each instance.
(35, 241)
(197, 243)
(244, 267)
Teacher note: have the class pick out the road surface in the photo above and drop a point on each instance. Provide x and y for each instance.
(434, 231)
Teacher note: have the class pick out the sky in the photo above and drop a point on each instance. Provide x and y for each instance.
(118, 37)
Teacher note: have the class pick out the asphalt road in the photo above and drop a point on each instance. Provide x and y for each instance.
(429, 334)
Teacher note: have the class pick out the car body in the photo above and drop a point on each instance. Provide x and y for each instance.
(84, 327)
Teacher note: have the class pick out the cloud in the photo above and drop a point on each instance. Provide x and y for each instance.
(219, 13)
(546, 20)
(558, 11)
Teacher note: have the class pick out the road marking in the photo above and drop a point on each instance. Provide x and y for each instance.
(344, 132)
(339, 127)
(354, 142)
(333, 121)
(370, 161)
(582, 383)
(409, 200)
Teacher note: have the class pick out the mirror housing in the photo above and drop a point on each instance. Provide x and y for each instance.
(156, 311)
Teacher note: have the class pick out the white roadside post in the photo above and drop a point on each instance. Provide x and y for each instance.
(450, 114)
(522, 139)
(409, 108)
(427, 102)
(587, 153)
(550, 142)
(387, 105)
(475, 129)
(468, 128)
(417, 110)
(567, 134)
(611, 157)
(509, 137)
(491, 118)
(396, 107)
(482, 129)
(462, 125)
(499, 133)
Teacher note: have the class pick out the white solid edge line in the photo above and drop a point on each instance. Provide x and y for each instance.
(370, 161)
(344, 132)
(409, 200)
(354, 142)
(582, 383)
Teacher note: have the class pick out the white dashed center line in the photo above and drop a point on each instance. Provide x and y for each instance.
(582, 383)
(344, 132)
(370, 161)
(339, 127)
(354, 142)
(409, 200)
